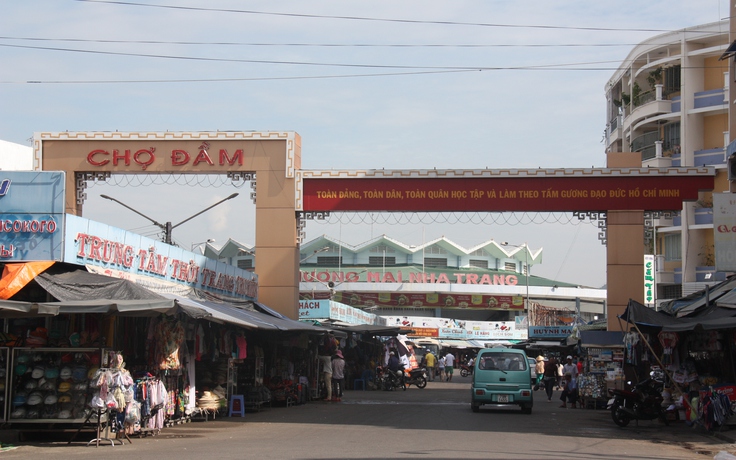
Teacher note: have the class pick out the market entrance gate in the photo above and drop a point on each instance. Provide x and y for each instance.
(286, 196)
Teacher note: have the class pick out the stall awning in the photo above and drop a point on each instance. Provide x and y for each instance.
(16, 276)
(220, 312)
(243, 316)
(711, 318)
(82, 285)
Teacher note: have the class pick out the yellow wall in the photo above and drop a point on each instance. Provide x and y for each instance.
(714, 73)
(713, 129)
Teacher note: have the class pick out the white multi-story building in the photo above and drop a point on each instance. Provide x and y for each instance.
(439, 278)
(669, 101)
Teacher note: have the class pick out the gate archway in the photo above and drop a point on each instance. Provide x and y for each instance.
(285, 196)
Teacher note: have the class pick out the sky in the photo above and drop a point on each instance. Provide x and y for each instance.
(381, 84)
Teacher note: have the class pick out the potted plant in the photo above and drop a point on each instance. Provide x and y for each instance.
(655, 77)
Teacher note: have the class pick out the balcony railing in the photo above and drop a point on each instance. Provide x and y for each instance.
(645, 98)
(646, 145)
(709, 157)
(710, 98)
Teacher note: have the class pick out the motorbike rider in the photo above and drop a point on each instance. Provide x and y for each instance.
(395, 367)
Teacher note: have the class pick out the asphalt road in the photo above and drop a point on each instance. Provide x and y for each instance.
(434, 423)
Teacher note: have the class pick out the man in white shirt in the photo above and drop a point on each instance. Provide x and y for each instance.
(449, 363)
(572, 369)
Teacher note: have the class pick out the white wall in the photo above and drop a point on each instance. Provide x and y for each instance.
(15, 157)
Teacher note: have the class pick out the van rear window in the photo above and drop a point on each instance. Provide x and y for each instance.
(502, 361)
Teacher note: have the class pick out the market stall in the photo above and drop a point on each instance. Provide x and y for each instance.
(695, 349)
(603, 356)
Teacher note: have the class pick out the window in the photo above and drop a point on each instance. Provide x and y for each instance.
(330, 261)
(435, 250)
(509, 266)
(479, 252)
(673, 247)
(671, 138)
(670, 291)
(245, 263)
(435, 262)
(478, 263)
(380, 261)
(382, 248)
(671, 80)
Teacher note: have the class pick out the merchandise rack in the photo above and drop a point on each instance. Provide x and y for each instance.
(49, 356)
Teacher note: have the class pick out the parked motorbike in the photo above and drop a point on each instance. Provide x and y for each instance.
(388, 380)
(416, 377)
(643, 402)
(466, 370)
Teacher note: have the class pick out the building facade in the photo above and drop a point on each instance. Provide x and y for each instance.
(439, 278)
(668, 100)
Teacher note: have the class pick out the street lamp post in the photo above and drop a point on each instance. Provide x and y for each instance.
(209, 240)
(527, 273)
(167, 227)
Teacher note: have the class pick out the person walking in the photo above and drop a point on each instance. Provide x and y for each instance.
(560, 373)
(442, 368)
(449, 365)
(550, 377)
(539, 368)
(338, 376)
(430, 361)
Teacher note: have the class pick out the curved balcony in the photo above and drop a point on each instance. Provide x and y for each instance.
(648, 104)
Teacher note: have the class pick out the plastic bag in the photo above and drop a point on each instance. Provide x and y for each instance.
(110, 402)
(133, 413)
(97, 402)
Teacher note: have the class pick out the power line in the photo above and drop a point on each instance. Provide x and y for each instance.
(326, 45)
(373, 19)
(302, 63)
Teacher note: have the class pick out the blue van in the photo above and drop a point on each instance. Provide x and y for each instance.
(502, 376)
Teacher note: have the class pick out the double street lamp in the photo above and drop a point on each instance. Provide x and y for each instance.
(209, 240)
(526, 274)
(168, 227)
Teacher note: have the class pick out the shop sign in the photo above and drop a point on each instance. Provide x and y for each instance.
(314, 309)
(397, 275)
(347, 314)
(422, 300)
(724, 235)
(31, 215)
(118, 252)
(420, 331)
(649, 280)
(522, 191)
(549, 332)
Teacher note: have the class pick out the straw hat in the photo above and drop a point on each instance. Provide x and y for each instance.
(540, 358)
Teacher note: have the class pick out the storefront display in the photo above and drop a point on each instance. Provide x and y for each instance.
(52, 384)
(603, 370)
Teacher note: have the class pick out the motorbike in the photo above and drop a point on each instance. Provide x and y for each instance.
(416, 377)
(388, 380)
(466, 370)
(643, 402)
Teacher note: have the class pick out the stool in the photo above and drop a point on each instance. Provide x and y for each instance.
(237, 406)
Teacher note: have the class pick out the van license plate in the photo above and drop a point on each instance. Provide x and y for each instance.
(503, 398)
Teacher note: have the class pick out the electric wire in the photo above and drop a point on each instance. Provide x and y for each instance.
(374, 19)
(323, 45)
